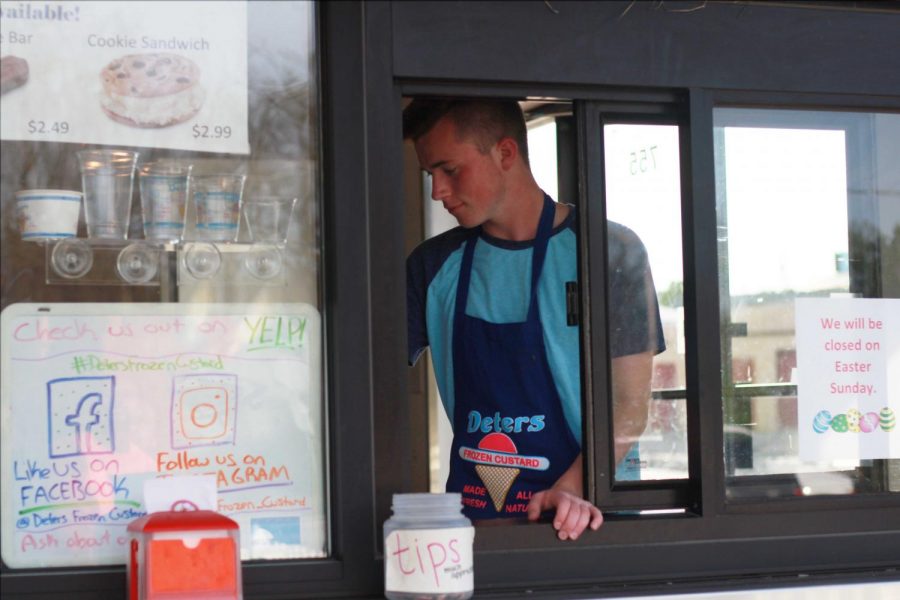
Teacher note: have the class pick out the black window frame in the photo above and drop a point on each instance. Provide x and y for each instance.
(721, 543)
(606, 492)
(731, 540)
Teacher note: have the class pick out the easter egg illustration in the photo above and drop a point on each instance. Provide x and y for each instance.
(853, 417)
(839, 423)
(822, 421)
(869, 422)
(887, 418)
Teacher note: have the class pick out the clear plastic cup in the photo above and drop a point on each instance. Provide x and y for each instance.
(108, 180)
(218, 202)
(268, 219)
(164, 192)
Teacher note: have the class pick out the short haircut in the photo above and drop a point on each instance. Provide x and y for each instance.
(481, 121)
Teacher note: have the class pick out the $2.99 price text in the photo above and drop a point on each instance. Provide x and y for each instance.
(212, 131)
(36, 126)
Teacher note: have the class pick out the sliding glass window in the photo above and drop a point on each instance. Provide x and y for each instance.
(809, 271)
(645, 275)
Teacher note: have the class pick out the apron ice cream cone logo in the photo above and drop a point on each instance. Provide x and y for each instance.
(497, 480)
(498, 464)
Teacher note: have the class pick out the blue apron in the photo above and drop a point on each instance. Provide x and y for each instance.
(511, 438)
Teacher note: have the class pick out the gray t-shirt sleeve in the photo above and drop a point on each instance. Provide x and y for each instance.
(634, 321)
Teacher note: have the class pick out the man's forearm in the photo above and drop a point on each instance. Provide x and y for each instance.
(631, 400)
(572, 480)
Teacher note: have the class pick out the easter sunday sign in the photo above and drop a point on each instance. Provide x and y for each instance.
(848, 365)
(97, 399)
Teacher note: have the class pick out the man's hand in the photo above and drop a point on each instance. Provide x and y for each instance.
(573, 513)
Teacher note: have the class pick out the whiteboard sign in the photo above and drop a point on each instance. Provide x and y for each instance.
(848, 364)
(99, 398)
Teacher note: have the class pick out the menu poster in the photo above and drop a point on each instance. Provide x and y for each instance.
(99, 399)
(152, 74)
(848, 378)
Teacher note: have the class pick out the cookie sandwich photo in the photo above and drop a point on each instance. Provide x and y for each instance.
(151, 90)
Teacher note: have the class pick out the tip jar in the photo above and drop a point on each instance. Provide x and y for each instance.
(433, 528)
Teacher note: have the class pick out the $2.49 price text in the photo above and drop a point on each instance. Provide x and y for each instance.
(36, 126)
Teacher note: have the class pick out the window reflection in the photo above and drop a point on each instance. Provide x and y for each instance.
(643, 195)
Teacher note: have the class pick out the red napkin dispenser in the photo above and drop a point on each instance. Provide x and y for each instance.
(185, 555)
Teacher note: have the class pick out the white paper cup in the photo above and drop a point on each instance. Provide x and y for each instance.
(47, 214)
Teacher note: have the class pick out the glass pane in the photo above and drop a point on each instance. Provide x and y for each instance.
(542, 152)
(643, 206)
(808, 267)
(161, 276)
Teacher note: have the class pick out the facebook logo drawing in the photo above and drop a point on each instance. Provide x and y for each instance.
(80, 415)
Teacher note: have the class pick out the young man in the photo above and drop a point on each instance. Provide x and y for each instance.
(489, 297)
